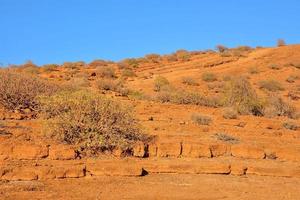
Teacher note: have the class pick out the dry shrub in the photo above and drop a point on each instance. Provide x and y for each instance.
(201, 119)
(160, 82)
(128, 73)
(226, 138)
(209, 77)
(183, 97)
(154, 58)
(230, 113)
(50, 67)
(18, 90)
(276, 106)
(189, 81)
(270, 85)
(274, 66)
(280, 43)
(221, 48)
(90, 121)
(183, 55)
(253, 70)
(170, 58)
(292, 78)
(106, 72)
(240, 95)
(128, 63)
(291, 125)
(108, 84)
(98, 63)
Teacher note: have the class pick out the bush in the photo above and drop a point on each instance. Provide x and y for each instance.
(227, 138)
(291, 125)
(221, 48)
(18, 90)
(91, 122)
(280, 43)
(230, 113)
(292, 78)
(182, 55)
(107, 84)
(50, 67)
(106, 72)
(240, 95)
(209, 77)
(201, 119)
(270, 85)
(128, 73)
(189, 81)
(154, 58)
(160, 82)
(274, 66)
(277, 107)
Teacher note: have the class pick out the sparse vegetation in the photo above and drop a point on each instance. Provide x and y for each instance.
(276, 106)
(19, 90)
(189, 81)
(253, 70)
(291, 125)
(209, 77)
(201, 119)
(106, 72)
(280, 43)
(221, 48)
(128, 73)
(240, 95)
(292, 78)
(270, 85)
(274, 66)
(230, 113)
(160, 82)
(226, 138)
(91, 122)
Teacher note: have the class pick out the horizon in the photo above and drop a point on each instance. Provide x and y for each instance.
(56, 32)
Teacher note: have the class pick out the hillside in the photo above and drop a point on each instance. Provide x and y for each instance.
(227, 119)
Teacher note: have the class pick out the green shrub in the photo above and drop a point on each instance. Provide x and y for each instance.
(270, 85)
(90, 121)
(209, 77)
(201, 119)
(160, 82)
(241, 96)
(19, 90)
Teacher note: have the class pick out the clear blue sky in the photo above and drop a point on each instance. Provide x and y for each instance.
(54, 31)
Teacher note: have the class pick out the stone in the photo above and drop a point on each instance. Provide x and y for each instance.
(288, 154)
(114, 168)
(195, 150)
(172, 149)
(61, 152)
(29, 152)
(218, 150)
(139, 150)
(247, 151)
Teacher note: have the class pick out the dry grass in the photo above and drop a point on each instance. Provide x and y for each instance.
(270, 85)
(201, 119)
(160, 82)
(209, 77)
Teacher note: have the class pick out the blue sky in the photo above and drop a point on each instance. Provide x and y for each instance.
(54, 31)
